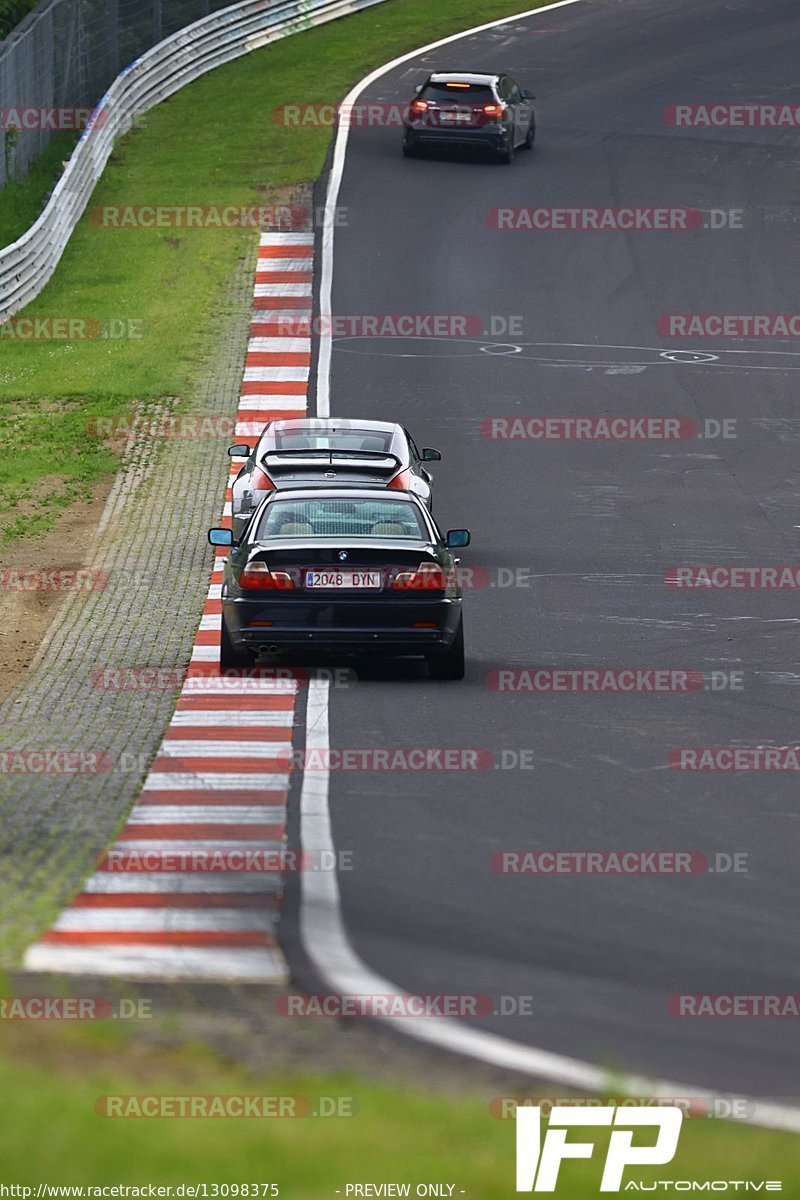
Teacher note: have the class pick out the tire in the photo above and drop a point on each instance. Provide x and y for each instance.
(450, 664)
(531, 137)
(409, 149)
(229, 656)
(507, 153)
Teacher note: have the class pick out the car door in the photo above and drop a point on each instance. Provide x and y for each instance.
(505, 88)
(522, 111)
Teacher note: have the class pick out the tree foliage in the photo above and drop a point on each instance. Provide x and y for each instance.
(11, 13)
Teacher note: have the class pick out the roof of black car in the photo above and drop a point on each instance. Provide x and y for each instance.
(374, 495)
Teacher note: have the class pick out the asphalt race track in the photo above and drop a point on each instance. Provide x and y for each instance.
(592, 528)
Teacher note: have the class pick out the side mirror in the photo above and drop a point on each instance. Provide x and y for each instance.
(526, 95)
(429, 455)
(239, 451)
(418, 88)
(220, 537)
(456, 538)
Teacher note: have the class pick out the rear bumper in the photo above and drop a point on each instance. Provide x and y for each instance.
(486, 137)
(348, 626)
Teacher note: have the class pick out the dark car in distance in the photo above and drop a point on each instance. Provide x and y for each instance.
(470, 110)
(325, 452)
(346, 571)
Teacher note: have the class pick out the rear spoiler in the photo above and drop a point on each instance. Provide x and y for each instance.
(359, 460)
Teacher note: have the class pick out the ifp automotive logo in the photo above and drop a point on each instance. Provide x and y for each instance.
(539, 1159)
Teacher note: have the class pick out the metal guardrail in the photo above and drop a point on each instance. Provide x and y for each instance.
(27, 264)
(57, 62)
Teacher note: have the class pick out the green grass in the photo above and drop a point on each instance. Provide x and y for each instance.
(21, 200)
(11, 13)
(213, 143)
(52, 1078)
(70, 472)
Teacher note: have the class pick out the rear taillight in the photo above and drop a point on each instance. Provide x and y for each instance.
(401, 481)
(494, 110)
(428, 577)
(257, 577)
(261, 481)
(418, 107)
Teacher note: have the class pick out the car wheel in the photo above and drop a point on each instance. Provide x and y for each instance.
(531, 138)
(450, 664)
(507, 153)
(409, 149)
(229, 656)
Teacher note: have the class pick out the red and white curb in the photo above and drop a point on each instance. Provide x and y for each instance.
(220, 780)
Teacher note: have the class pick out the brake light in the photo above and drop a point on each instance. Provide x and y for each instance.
(419, 106)
(494, 110)
(402, 481)
(261, 481)
(257, 577)
(428, 577)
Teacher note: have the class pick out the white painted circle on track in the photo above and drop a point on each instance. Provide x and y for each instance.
(500, 348)
(322, 928)
(690, 356)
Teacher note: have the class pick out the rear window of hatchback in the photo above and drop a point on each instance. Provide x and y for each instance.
(471, 93)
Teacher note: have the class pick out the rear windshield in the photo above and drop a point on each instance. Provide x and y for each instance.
(346, 439)
(341, 518)
(472, 93)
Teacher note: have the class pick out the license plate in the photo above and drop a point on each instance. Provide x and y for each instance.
(343, 579)
(454, 118)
